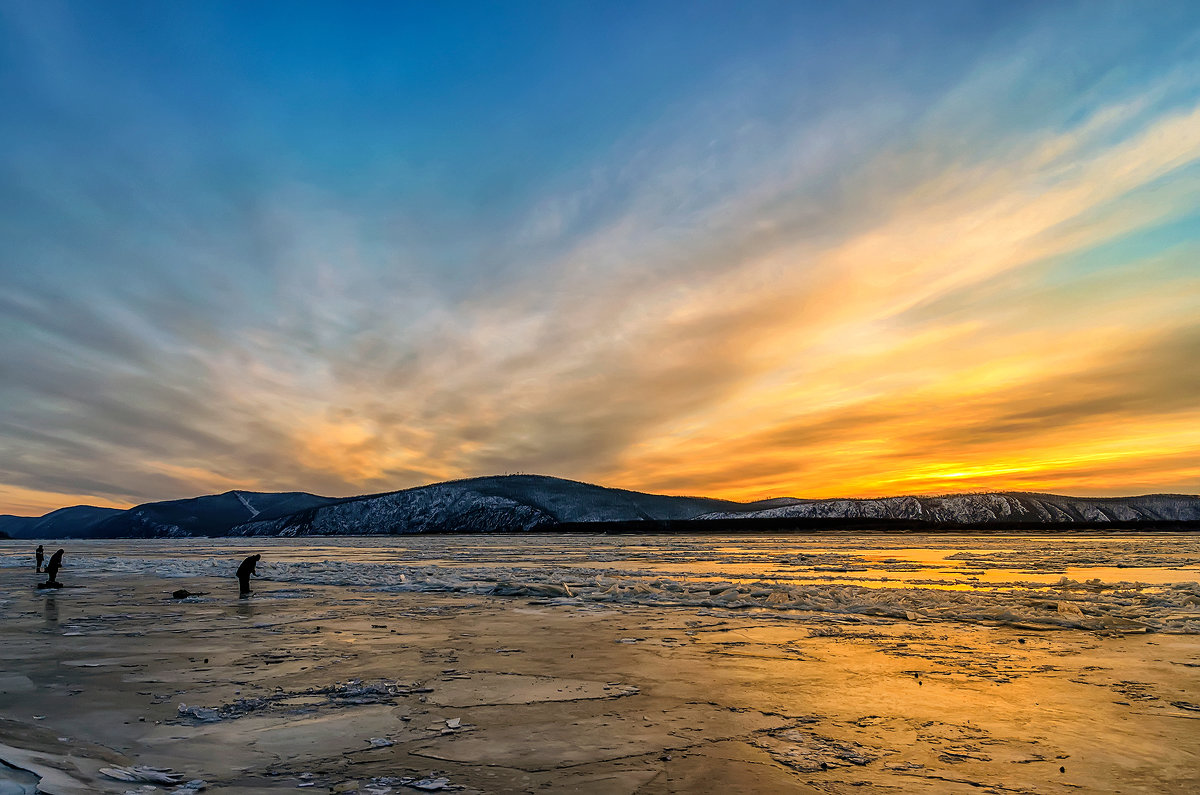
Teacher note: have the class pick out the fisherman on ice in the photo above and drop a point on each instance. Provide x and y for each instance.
(244, 571)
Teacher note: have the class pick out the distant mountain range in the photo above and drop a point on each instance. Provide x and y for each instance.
(528, 503)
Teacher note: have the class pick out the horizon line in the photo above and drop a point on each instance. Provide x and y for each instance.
(368, 495)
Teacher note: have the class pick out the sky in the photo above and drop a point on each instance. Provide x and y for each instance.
(738, 249)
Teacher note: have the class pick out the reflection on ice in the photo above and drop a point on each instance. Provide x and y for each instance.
(1108, 583)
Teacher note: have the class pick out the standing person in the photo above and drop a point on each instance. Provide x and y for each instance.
(52, 568)
(39, 555)
(244, 571)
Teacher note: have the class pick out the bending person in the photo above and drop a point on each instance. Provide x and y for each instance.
(52, 568)
(244, 571)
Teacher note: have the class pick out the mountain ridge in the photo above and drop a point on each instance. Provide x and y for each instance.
(525, 503)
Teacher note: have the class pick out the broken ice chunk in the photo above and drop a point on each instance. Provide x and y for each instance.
(1069, 610)
(154, 775)
(206, 714)
(903, 766)
(530, 589)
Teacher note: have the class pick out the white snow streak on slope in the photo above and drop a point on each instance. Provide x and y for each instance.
(253, 511)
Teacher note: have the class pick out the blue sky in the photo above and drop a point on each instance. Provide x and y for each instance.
(732, 248)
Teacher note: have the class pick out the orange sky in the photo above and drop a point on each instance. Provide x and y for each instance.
(971, 267)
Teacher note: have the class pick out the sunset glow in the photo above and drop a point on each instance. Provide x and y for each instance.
(683, 250)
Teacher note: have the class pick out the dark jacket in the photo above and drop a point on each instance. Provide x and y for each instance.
(248, 566)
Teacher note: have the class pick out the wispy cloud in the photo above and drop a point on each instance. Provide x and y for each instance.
(983, 282)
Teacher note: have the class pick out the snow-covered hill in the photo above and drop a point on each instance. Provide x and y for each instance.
(521, 503)
(213, 514)
(986, 508)
(525, 502)
(508, 504)
(63, 523)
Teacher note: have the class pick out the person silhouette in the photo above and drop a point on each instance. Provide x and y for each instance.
(39, 555)
(52, 569)
(244, 571)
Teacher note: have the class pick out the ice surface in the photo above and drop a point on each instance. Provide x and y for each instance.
(756, 665)
(1117, 584)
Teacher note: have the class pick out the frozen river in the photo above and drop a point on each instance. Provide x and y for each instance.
(1126, 583)
(605, 664)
